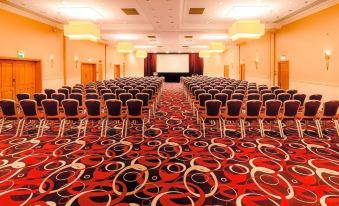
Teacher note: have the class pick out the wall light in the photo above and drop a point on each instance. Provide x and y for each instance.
(89, 59)
(256, 61)
(51, 58)
(327, 58)
(76, 59)
(283, 58)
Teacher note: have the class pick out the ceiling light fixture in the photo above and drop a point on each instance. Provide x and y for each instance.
(240, 12)
(82, 30)
(204, 54)
(214, 36)
(216, 47)
(86, 13)
(246, 29)
(125, 47)
(125, 36)
(141, 54)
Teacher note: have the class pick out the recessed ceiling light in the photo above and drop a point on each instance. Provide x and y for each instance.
(125, 36)
(238, 12)
(80, 12)
(167, 52)
(214, 36)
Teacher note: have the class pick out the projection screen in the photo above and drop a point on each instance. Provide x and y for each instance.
(172, 63)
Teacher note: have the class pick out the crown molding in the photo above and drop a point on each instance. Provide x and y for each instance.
(22, 11)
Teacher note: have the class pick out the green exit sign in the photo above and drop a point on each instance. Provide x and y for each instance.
(20, 54)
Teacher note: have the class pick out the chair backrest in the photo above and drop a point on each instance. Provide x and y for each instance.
(92, 96)
(124, 97)
(253, 96)
(134, 92)
(265, 91)
(51, 107)
(272, 107)
(22, 96)
(311, 107)
(253, 108)
(105, 91)
(108, 96)
(284, 97)
(49, 93)
(203, 98)
(134, 107)
(28, 107)
(291, 108)
(274, 88)
(149, 92)
(59, 97)
(221, 97)
(220, 88)
(114, 107)
(197, 92)
(140, 87)
(240, 91)
(267, 96)
(93, 107)
(213, 92)
(234, 107)
(64, 91)
(316, 97)
(38, 97)
(113, 89)
(120, 91)
(292, 92)
(229, 92)
(238, 96)
(68, 88)
(71, 107)
(207, 88)
(76, 91)
(252, 91)
(331, 108)
(144, 97)
(278, 91)
(213, 107)
(300, 97)
(8, 107)
(91, 91)
(76, 96)
(127, 88)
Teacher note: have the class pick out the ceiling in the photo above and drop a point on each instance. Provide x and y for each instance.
(168, 20)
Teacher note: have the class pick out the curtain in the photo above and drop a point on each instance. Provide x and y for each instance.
(150, 64)
(196, 64)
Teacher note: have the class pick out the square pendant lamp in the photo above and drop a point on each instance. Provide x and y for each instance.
(141, 54)
(82, 30)
(246, 29)
(125, 47)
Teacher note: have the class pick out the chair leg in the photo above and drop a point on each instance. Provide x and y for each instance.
(320, 132)
(2, 124)
(203, 127)
(105, 130)
(82, 127)
(220, 126)
(280, 128)
(40, 127)
(123, 128)
(126, 126)
(143, 127)
(300, 128)
(102, 128)
(336, 123)
(224, 127)
(18, 127)
(22, 127)
(242, 128)
(60, 127)
(261, 124)
(63, 128)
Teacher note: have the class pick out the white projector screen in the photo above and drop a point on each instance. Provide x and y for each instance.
(172, 63)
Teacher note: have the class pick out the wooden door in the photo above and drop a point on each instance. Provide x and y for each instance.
(24, 77)
(226, 71)
(100, 72)
(7, 86)
(88, 73)
(283, 74)
(242, 71)
(116, 71)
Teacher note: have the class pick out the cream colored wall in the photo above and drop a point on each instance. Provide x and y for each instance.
(112, 58)
(83, 50)
(134, 66)
(231, 58)
(214, 65)
(38, 41)
(304, 43)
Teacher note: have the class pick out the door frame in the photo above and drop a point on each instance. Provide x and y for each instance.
(38, 69)
(94, 72)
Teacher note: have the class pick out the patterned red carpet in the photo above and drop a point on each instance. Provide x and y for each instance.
(172, 165)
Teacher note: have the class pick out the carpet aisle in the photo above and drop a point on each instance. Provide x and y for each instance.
(172, 165)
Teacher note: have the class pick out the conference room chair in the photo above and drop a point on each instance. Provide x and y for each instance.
(59, 97)
(220, 88)
(133, 85)
(196, 97)
(253, 96)
(252, 91)
(108, 96)
(152, 101)
(10, 113)
(207, 88)
(238, 96)
(94, 114)
(223, 98)
(330, 113)
(38, 97)
(30, 113)
(270, 114)
(127, 88)
(233, 114)
(52, 114)
(283, 97)
(49, 93)
(229, 93)
(134, 92)
(90, 91)
(156, 95)
(140, 88)
(265, 91)
(213, 92)
(263, 87)
(134, 112)
(278, 91)
(290, 112)
(230, 87)
(120, 91)
(266, 97)
(273, 88)
(72, 115)
(251, 114)
(68, 88)
(76, 91)
(300, 97)
(64, 91)
(310, 114)
(292, 92)
(22, 96)
(211, 112)
(124, 97)
(200, 106)
(78, 97)
(144, 97)
(104, 91)
(92, 96)
(316, 97)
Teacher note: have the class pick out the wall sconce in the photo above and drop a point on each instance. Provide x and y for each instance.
(51, 58)
(256, 62)
(89, 59)
(327, 58)
(283, 58)
(76, 60)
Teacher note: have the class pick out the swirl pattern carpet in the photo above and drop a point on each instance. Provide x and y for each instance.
(172, 165)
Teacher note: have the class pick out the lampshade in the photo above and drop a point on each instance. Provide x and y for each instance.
(204, 54)
(216, 47)
(82, 30)
(141, 54)
(246, 29)
(125, 47)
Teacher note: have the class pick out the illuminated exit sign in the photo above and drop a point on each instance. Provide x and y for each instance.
(20, 54)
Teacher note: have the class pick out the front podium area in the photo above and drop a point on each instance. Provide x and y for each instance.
(173, 77)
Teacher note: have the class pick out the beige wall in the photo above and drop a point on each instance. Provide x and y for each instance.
(37, 40)
(134, 66)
